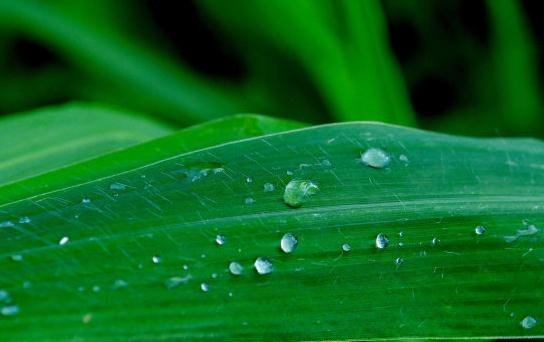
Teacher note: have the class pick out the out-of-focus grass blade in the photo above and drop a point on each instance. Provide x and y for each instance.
(352, 65)
(126, 72)
(133, 255)
(45, 139)
(208, 134)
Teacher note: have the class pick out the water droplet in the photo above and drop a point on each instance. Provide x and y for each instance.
(185, 267)
(288, 243)
(214, 275)
(4, 295)
(6, 224)
(435, 241)
(479, 230)
(17, 257)
(118, 186)
(204, 287)
(249, 180)
(326, 162)
(235, 268)
(401, 234)
(298, 191)
(203, 256)
(346, 247)
(220, 239)
(525, 222)
(27, 284)
(376, 158)
(268, 187)
(528, 322)
(64, 240)
(96, 288)
(174, 282)
(87, 318)
(9, 310)
(156, 259)
(119, 284)
(381, 241)
(24, 220)
(289, 173)
(530, 230)
(399, 261)
(263, 266)
(403, 158)
(85, 200)
(230, 294)
(249, 200)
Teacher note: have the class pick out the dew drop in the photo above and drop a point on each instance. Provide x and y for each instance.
(118, 186)
(174, 282)
(185, 267)
(9, 310)
(401, 234)
(381, 241)
(263, 266)
(479, 230)
(435, 242)
(399, 261)
(17, 257)
(268, 187)
(298, 191)
(204, 287)
(249, 200)
(326, 162)
(64, 240)
(235, 268)
(156, 259)
(346, 247)
(96, 288)
(288, 243)
(249, 180)
(119, 284)
(86, 200)
(220, 240)
(528, 322)
(24, 220)
(376, 158)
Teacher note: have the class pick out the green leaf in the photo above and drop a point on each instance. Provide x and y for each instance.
(46, 139)
(120, 276)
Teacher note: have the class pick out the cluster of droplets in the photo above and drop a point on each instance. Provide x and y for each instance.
(7, 307)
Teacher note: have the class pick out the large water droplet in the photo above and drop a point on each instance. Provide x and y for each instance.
(220, 239)
(156, 259)
(235, 268)
(479, 230)
(298, 191)
(24, 220)
(346, 247)
(9, 310)
(64, 240)
(381, 241)
(263, 266)
(528, 322)
(204, 287)
(288, 243)
(268, 187)
(376, 158)
(174, 282)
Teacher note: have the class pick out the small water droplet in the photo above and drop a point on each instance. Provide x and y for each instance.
(203, 256)
(17, 257)
(185, 267)
(403, 158)
(156, 259)
(118, 186)
(96, 288)
(435, 241)
(528, 322)
(6, 224)
(64, 240)
(9, 310)
(85, 200)
(220, 240)
(346, 247)
(24, 220)
(87, 318)
(204, 287)
(249, 180)
(326, 162)
(249, 200)
(174, 282)
(288, 243)
(298, 191)
(399, 261)
(479, 230)
(119, 284)
(381, 241)
(27, 284)
(4, 295)
(289, 173)
(401, 234)
(525, 222)
(376, 158)
(268, 187)
(263, 266)
(230, 294)
(235, 268)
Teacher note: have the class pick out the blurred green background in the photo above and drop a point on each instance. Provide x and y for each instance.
(466, 67)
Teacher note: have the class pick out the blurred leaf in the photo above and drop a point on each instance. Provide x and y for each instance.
(125, 71)
(354, 70)
(119, 276)
(46, 139)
